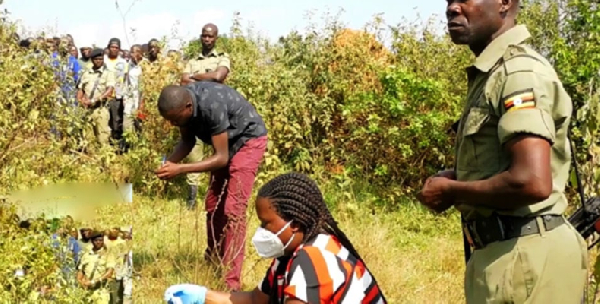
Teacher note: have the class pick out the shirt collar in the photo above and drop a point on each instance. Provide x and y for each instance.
(212, 53)
(496, 49)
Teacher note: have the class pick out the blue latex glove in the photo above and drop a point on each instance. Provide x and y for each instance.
(185, 294)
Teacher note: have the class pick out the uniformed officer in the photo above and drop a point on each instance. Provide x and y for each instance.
(211, 65)
(512, 165)
(116, 248)
(96, 270)
(94, 90)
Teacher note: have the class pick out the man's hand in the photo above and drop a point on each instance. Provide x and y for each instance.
(434, 194)
(168, 170)
(86, 102)
(86, 283)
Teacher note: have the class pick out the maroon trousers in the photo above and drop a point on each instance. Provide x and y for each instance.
(226, 204)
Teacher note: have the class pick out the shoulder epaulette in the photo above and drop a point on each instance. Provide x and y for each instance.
(519, 58)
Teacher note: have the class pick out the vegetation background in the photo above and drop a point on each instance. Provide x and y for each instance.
(369, 121)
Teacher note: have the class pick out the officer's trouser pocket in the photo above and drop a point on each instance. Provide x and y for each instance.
(541, 268)
(100, 118)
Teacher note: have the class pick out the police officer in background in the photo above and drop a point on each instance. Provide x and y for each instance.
(96, 270)
(95, 88)
(210, 65)
(512, 165)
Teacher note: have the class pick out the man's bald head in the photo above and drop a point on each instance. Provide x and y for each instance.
(209, 37)
(210, 28)
(175, 104)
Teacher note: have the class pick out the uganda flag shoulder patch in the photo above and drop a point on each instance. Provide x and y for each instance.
(519, 100)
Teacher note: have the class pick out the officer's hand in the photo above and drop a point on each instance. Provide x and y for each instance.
(86, 102)
(168, 170)
(186, 294)
(434, 194)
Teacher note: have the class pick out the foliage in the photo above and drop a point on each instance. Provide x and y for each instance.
(339, 104)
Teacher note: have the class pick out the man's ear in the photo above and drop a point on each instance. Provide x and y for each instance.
(507, 6)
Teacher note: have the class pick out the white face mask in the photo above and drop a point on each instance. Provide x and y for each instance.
(268, 245)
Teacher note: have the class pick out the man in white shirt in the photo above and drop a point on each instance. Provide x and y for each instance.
(133, 98)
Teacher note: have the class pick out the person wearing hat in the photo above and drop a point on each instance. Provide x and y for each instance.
(118, 65)
(96, 270)
(93, 91)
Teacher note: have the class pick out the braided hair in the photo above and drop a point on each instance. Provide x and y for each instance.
(297, 197)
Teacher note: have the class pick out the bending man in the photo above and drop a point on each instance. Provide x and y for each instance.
(219, 116)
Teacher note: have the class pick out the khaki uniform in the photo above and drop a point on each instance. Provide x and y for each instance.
(117, 249)
(94, 265)
(513, 89)
(203, 64)
(100, 115)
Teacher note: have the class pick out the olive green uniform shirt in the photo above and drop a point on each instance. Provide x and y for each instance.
(512, 90)
(208, 63)
(95, 264)
(89, 78)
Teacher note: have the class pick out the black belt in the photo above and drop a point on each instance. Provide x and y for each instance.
(497, 228)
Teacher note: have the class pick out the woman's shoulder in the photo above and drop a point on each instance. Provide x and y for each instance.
(324, 249)
(325, 244)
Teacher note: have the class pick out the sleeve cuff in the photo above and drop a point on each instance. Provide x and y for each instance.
(528, 121)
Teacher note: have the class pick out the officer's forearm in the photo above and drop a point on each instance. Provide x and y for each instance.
(107, 93)
(80, 96)
(185, 79)
(505, 191)
(107, 275)
(183, 148)
(213, 76)
(80, 278)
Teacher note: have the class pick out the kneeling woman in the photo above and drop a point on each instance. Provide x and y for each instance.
(314, 262)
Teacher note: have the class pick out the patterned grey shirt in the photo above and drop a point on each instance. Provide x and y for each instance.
(219, 108)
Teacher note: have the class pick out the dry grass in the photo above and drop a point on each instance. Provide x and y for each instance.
(416, 257)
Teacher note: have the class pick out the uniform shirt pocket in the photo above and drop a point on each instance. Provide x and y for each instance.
(480, 148)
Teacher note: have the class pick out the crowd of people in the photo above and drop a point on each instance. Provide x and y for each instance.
(96, 260)
(106, 82)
